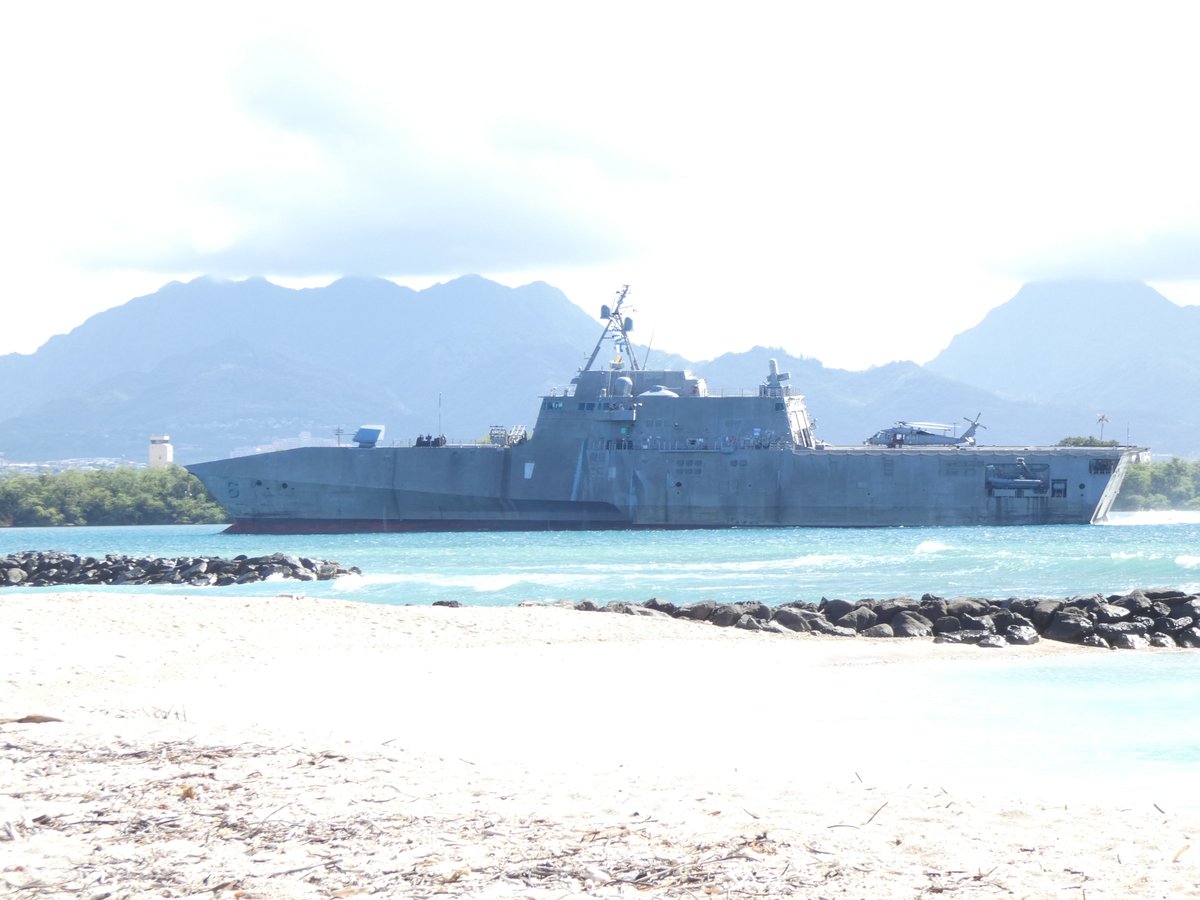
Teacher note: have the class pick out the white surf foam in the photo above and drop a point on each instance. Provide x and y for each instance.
(1155, 517)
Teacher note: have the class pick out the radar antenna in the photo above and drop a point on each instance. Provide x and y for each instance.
(617, 326)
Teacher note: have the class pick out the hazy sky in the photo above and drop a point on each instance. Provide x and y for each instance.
(855, 182)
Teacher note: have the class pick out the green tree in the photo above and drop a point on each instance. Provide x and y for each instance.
(1170, 484)
(127, 496)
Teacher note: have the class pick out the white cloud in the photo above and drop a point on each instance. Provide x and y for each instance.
(853, 182)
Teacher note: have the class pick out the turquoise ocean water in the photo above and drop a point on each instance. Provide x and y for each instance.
(1125, 718)
(772, 565)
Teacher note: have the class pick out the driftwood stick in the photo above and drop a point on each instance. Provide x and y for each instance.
(874, 814)
(321, 865)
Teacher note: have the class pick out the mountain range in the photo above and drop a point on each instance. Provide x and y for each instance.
(234, 366)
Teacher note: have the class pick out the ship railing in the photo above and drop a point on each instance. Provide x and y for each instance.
(511, 439)
(710, 445)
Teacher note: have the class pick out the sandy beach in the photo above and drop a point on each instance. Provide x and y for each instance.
(293, 747)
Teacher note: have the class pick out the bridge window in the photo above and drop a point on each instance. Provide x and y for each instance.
(1058, 487)
(1102, 466)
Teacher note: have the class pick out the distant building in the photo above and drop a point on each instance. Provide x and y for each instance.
(162, 454)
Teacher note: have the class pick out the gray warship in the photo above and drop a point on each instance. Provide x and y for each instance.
(630, 447)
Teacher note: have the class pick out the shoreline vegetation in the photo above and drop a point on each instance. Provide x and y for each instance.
(295, 747)
(124, 496)
(172, 496)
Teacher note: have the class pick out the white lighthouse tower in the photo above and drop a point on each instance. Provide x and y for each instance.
(162, 454)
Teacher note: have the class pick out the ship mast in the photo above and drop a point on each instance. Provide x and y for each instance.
(617, 325)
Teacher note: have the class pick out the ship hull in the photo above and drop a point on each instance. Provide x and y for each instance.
(556, 485)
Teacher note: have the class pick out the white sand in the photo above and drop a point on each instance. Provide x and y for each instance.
(292, 747)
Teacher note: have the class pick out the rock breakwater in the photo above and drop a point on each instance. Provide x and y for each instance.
(47, 568)
(1142, 618)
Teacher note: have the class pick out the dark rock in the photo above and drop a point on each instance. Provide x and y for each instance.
(748, 622)
(1136, 602)
(1022, 605)
(1110, 612)
(992, 640)
(1129, 642)
(760, 611)
(1043, 613)
(859, 618)
(1170, 596)
(978, 623)
(1162, 640)
(1094, 640)
(15, 575)
(1189, 607)
(1021, 634)
(1189, 637)
(1109, 630)
(911, 624)
(726, 615)
(822, 625)
(286, 559)
(934, 608)
(1006, 618)
(130, 575)
(949, 637)
(1168, 625)
(946, 625)
(1069, 625)
(639, 609)
(882, 630)
(791, 619)
(886, 609)
(1087, 602)
(662, 606)
(775, 628)
(838, 631)
(455, 604)
(960, 637)
(1002, 618)
(835, 609)
(966, 606)
(701, 611)
(618, 606)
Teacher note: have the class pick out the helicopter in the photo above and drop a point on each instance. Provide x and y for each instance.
(925, 434)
